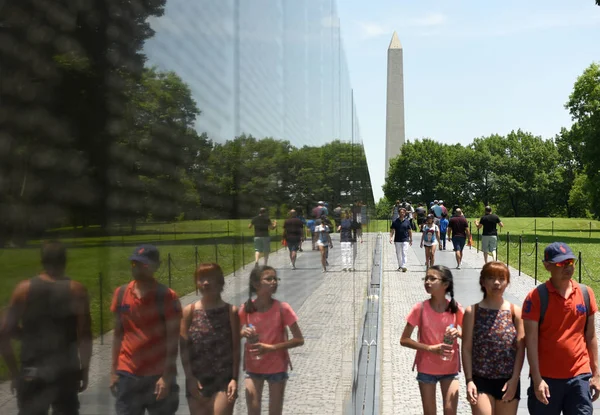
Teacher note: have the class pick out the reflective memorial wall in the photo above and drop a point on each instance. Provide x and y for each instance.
(172, 123)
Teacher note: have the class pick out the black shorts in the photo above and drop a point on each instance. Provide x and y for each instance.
(493, 387)
(36, 396)
(212, 384)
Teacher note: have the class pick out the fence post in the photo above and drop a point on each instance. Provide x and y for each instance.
(520, 250)
(174, 231)
(169, 267)
(101, 309)
(535, 227)
(552, 228)
(579, 260)
(196, 260)
(216, 252)
(470, 233)
(477, 240)
(590, 229)
(536, 258)
(227, 228)
(507, 249)
(243, 251)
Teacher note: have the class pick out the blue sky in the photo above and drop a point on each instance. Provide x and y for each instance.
(471, 68)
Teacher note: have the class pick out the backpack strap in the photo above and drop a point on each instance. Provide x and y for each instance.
(586, 300)
(543, 294)
(419, 333)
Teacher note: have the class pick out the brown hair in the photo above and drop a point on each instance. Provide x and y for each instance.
(255, 276)
(493, 268)
(210, 270)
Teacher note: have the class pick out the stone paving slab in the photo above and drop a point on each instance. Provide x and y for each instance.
(329, 306)
(400, 392)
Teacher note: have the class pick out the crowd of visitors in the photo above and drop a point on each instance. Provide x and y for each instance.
(555, 328)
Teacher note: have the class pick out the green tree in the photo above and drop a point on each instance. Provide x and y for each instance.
(584, 107)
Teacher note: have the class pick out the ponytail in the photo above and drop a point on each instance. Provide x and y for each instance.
(448, 279)
(255, 276)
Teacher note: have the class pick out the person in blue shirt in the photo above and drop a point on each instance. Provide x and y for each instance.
(310, 225)
(443, 228)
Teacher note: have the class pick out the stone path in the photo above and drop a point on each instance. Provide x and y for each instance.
(330, 312)
(400, 392)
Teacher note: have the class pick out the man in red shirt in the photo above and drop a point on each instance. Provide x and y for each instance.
(147, 317)
(563, 350)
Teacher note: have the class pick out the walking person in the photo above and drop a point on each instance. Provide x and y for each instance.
(430, 238)
(323, 242)
(347, 230)
(443, 228)
(262, 242)
(147, 318)
(300, 216)
(493, 346)
(293, 229)
(458, 230)
(337, 215)
(396, 210)
(437, 358)
(401, 237)
(560, 334)
(489, 236)
(210, 346)
(265, 322)
(421, 215)
(50, 314)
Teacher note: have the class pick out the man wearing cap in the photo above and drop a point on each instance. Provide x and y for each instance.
(262, 241)
(147, 317)
(489, 236)
(50, 315)
(562, 350)
(401, 237)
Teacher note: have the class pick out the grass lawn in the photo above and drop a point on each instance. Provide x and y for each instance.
(101, 262)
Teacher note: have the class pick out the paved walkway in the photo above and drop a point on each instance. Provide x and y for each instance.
(329, 307)
(400, 392)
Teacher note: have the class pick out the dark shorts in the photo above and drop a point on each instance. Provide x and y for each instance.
(212, 384)
(493, 387)
(36, 396)
(293, 244)
(459, 243)
(270, 377)
(135, 395)
(571, 396)
(433, 379)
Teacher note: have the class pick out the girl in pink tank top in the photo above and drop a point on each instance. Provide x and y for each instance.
(437, 359)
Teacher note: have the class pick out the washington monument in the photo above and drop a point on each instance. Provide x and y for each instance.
(394, 126)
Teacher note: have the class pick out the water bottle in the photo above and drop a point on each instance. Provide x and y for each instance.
(448, 339)
(253, 339)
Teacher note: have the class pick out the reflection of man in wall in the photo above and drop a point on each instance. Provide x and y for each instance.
(489, 236)
(262, 242)
(337, 215)
(293, 229)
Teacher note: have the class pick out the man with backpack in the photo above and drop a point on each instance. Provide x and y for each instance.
(560, 335)
(50, 314)
(147, 317)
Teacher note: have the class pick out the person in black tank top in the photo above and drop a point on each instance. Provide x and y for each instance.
(51, 316)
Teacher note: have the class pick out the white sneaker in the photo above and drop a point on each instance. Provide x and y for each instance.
(458, 267)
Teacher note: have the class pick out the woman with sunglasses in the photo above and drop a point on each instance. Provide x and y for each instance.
(265, 321)
(493, 346)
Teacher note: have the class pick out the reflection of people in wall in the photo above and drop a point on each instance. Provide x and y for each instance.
(262, 242)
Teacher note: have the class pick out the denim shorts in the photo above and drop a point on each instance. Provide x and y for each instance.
(433, 379)
(459, 243)
(269, 377)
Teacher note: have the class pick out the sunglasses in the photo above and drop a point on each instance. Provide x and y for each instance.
(565, 263)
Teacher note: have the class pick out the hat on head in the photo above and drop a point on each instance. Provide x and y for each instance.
(441, 202)
(320, 202)
(558, 252)
(146, 254)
